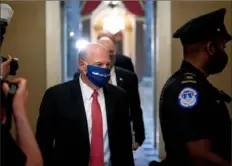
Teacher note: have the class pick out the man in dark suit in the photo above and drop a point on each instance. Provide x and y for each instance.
(85, 121)
(129, 82)
(122, 61)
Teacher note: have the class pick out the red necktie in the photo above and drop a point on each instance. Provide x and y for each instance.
(97, 146)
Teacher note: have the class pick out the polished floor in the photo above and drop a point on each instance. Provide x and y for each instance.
(146, 152)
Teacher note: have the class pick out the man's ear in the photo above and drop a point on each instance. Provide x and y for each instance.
(210, 48)
(82, 66)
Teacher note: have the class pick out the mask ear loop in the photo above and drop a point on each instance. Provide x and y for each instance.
(86, 66)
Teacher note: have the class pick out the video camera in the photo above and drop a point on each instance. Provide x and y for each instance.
(6, 14)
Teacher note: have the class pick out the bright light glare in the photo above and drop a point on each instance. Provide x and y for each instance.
(107, 2)
(80, 44)
(115, 2)
(71, 34)
(113, 23)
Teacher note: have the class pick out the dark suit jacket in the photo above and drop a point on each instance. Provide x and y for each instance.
(62, 130)
(124, 62)
(129, 82)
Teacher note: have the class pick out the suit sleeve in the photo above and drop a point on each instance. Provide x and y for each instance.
(194, 112)
(45, 128)
(136, 112)
(128, 157)
(130, 65)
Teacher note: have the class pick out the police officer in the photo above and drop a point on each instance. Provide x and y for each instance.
(194, 119)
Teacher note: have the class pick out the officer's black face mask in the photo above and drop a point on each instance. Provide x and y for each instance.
(217, 61)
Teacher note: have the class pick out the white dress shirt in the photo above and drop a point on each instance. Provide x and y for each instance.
(87, 99)
(113, 77)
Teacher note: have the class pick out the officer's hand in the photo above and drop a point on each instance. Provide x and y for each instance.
(5, 67)
(20, 98)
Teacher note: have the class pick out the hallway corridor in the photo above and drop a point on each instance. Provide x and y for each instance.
(146, 152)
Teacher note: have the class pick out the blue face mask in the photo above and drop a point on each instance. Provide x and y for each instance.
(97, 75)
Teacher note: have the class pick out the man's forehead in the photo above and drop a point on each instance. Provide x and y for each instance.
(220, 41)
(105, 34)
(223, 41)
(106, 39)
(107, 43)
(95, 49)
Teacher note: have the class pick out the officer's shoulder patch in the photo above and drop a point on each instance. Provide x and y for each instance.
(189, 78)
(188, 97)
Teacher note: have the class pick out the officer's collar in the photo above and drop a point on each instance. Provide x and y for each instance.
(190, 68)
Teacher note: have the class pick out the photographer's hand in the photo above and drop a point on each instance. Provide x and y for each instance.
(20, 98)
(25, 136)
(5, 67)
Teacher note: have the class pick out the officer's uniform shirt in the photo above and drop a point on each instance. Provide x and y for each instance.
(192, 109)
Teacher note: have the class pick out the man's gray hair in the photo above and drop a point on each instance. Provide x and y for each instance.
(82, 54)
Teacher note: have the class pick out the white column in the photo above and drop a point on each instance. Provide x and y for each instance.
(163, 59)
(53, 43)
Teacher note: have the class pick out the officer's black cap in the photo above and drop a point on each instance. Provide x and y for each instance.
(204, 28)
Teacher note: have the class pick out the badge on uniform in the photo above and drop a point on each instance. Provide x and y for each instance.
(188, 98)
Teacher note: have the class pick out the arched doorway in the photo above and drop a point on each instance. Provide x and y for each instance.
(119, 22)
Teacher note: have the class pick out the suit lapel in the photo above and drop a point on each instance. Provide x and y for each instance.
(119, 78)
(78, 103)
(110, 108)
